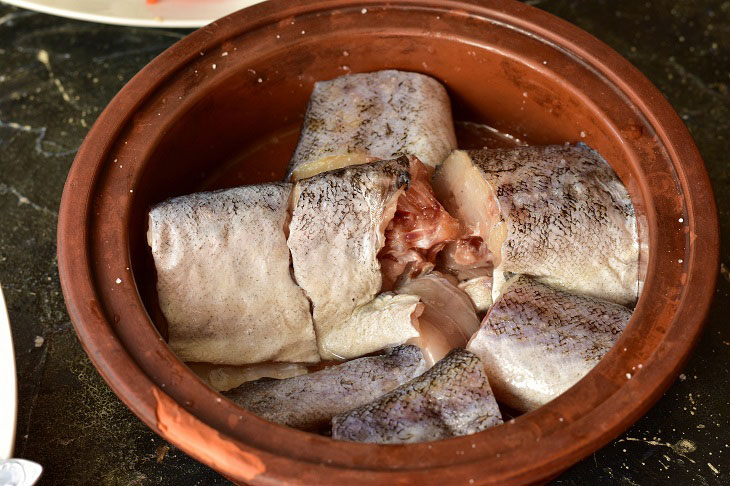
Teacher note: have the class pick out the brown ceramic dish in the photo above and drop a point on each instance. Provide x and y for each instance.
(222, 106)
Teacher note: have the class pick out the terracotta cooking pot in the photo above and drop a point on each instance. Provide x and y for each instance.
(223, 106)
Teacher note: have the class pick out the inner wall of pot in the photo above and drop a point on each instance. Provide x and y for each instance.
(243, 127)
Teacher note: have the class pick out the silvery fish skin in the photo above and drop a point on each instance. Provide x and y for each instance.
(558, 213)
(452, 398)
(358, 118)
(223, 277)
(310, 401)
(336, 231)
(538, 341)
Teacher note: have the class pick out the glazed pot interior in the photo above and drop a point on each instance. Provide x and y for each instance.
(223, 107)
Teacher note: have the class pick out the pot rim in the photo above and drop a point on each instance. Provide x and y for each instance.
(243, 461)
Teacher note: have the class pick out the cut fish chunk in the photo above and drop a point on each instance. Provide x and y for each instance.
(558, 213)
(418, 231)
(358, 118)
(310, 401)
(223, 277)
(448, 319)
(387, 320)
(538, 341)
(452, 398)
(336, 232)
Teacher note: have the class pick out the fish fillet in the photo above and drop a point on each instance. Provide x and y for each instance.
(452, 398)
(310, 401)
(538, 341)
(558, 213)
(336, 232)
(358, 118)
(223, 278)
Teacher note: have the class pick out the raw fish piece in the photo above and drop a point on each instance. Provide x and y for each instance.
(223, 277)
(537, 341)
(470, 261)
(558, 213)
(310, 401)
(479, 290)
(448, 319)
(420, 228)
(358, 118)
(225, 377)
(387, 320)
(342, 220)
(452, 398)
(335, 234)
(466, 257)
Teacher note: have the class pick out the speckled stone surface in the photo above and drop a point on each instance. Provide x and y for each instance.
(56, 76)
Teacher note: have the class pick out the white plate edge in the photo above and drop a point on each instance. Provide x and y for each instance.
(159, 22)
(8, 408)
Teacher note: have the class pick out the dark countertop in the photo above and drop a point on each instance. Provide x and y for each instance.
(56, 75)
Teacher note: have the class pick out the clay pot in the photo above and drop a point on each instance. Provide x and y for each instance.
(223, 106)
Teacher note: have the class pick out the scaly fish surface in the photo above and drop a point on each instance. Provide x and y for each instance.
(336, 232)
(223, 277)
(359, 118)
(558, 213)
(538, 341)
(310, 401)
(452, 398)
